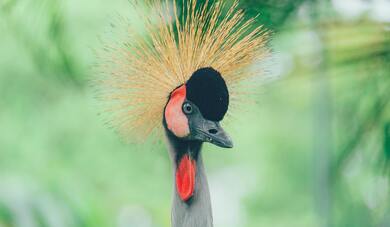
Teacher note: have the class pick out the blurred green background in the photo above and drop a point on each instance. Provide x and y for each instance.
(313, 152)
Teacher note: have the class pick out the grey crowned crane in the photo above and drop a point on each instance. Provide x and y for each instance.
(178, 79)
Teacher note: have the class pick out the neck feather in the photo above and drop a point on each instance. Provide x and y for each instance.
(197, 210)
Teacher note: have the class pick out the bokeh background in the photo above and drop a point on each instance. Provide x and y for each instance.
(313, 151)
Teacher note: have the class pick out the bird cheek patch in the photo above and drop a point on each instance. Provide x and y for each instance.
(176, 120)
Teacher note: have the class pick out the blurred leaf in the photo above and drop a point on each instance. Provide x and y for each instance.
(273, 13)
(53, 57)
(386, 144)
(7, 5)
(6, 217)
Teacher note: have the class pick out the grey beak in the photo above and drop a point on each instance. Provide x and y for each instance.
(212, 132)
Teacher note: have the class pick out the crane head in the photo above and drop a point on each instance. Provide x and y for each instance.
(173, 59)
(194, 110)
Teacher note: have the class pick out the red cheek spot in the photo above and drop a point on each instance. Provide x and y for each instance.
(176, 120)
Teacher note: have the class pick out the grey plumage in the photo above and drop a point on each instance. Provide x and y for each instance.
(197, 211)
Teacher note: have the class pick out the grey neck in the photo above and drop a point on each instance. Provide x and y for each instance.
(196, 212)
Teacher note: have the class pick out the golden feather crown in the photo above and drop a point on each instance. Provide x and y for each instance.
(138, 72)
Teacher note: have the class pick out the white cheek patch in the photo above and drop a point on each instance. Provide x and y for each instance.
(176, 120)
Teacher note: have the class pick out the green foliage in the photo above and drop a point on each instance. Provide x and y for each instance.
(272, 13)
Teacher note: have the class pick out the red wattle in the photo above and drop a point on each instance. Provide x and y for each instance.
(185, 177)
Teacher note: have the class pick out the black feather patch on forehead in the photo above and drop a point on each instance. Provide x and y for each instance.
(208, 91)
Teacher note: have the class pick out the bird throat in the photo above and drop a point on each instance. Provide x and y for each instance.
(185, 177)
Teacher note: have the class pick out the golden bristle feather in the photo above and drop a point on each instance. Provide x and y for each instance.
(138, 72)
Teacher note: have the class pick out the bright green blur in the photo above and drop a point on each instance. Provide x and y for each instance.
(312, 151)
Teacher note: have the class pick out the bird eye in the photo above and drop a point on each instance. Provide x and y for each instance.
(187, 108)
